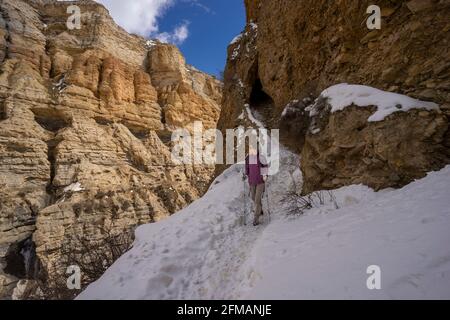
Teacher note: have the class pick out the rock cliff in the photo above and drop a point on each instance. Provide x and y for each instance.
(86, 117)
(291, 51)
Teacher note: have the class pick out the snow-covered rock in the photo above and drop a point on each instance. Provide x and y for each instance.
(235, 53)
(359, 134)
(236, 39)
(344, 95)
(74, 187)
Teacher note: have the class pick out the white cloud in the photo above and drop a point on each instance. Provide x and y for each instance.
(141, 17)
(178, 36)
(137, 16)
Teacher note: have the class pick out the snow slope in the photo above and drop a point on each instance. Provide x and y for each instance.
(325, 254)
(204, 252)
(195, 254)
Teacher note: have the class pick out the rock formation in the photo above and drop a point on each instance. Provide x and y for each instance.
(290, 51)
(86, 117)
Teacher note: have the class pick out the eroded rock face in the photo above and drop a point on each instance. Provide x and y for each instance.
(85, 122)
(299, 47)
(290, 51)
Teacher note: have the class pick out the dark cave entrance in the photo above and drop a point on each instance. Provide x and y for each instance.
(51, 120)
(262, 104)
(21, 260)
(258, 97)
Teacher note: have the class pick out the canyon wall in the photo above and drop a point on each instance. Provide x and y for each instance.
(86, 117)
(290, 51)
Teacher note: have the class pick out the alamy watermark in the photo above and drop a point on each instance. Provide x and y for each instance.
(374, 280)
(211, 147)
(74, 280)
(374, 20)
(74, 20)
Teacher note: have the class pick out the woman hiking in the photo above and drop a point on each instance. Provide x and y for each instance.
(256, 169)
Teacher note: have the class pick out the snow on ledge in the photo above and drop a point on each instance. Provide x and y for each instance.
(254, 28)
(236, 39)
(344, 95)
(74, 187)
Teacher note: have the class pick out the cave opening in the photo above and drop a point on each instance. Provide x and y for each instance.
(258, 97)
(21, 260)
(50, 120)
(262, 103)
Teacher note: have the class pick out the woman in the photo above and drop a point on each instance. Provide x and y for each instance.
(256, 169)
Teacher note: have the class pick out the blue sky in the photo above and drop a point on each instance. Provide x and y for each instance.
(202, 29)
(210, 30)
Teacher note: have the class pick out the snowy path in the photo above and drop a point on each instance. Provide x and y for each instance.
(204, 252)
(199, 253)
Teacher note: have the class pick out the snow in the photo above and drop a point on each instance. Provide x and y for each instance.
(197, 253)
(74, 187)
(61, 84)
(325, 254)
(252, 118)
(191, 68)
(150, 43)
(206, 252)
(253, 31)
(176, 258)
(203, 252)
(254, 26)
(289, 108)
(236, 39)
(235, 53)
(344, 95)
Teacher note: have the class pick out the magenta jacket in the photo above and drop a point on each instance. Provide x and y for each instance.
(255, 169)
